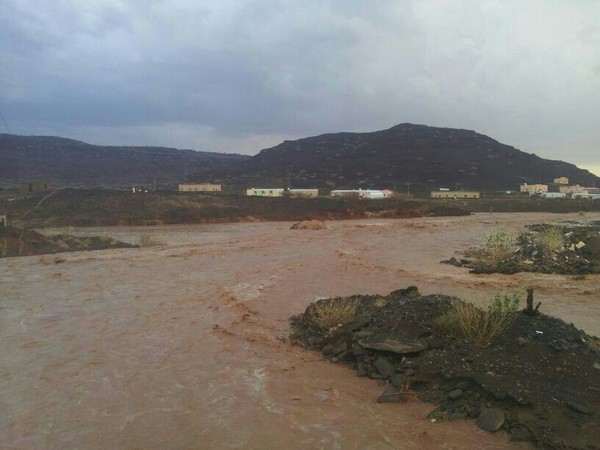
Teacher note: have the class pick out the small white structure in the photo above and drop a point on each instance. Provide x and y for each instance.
(586, 195)
(561, 180)
(533, 189)
(265, 192)
(370, 194)
(3, 220)
(553, 195)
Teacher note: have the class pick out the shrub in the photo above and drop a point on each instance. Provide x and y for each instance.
(499, 246)
(329, 314)
(479, 325)
(551, 240)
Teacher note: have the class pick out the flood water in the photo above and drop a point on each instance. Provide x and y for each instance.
(180, 345)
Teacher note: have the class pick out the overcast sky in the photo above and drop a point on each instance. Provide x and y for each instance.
(239, 76)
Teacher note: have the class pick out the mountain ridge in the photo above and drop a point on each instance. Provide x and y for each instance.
(421, 156)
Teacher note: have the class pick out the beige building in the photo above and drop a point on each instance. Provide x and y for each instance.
(534, 188)
(200, 187)
(454, 194)
(266, 192)
(305, 193)
(30, 187)
(561, 180)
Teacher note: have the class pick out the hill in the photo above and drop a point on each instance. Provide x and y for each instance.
(427, 157)
(418, 156)
(65, 162)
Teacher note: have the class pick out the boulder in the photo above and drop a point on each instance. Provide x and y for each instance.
(491, 419)
(309, 225)
(392, 395)
(384, 367)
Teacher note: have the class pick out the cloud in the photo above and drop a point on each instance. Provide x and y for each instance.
(227, 74)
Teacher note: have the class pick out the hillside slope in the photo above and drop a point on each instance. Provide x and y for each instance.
(424, 156)
(65, 162)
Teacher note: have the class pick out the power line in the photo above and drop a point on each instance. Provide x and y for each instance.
(5, 123)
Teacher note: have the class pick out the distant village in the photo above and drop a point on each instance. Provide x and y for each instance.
(559, 188)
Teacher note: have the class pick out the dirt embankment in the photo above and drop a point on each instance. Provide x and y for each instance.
(23, 242)
(539, 380)
(102, 207)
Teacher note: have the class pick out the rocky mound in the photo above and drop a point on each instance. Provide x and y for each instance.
(23, 242)
(309, 225)
(572, 248)
(539, 380)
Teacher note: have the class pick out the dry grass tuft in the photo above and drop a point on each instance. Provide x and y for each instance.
(331, 313)
(479, 325)
(551, 240)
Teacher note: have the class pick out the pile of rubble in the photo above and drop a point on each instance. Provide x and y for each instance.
(571, 248)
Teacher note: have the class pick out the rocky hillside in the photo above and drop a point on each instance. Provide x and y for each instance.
(66, 162)
(424, 156)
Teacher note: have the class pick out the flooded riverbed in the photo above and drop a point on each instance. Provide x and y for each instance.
(179, 345)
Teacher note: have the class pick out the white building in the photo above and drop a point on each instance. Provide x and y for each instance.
(553, 195)
(371, 194)
(265, 192)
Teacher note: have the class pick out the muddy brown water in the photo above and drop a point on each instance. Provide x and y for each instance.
(179, 345)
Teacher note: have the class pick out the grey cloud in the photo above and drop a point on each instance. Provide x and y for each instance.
(525, 73)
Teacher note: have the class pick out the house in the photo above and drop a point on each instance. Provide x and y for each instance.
(532, 189)
(31, 187)
(3, 220)
(454, 194)
(265, 192)
(199, 187)
(561, 180)
(305, 193)
(575, 189)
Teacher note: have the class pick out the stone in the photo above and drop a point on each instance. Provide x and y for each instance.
(580, 245)
(309, 225)
(392, 395)
(579, 407)
(357, 350)
(384, 367)
(455, 394)
(491, 419)
(397, 345)
(398, 380)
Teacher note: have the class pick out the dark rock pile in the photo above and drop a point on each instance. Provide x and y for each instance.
(539, 381)
(578, 254)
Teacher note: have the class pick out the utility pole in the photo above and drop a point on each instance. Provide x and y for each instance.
(408, 189)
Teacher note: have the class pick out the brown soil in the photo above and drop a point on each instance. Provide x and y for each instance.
(541, 376)
(23, 242)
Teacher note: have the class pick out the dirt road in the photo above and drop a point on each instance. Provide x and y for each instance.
(178, 345)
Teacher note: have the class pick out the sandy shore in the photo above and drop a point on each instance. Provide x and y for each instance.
(178, 345)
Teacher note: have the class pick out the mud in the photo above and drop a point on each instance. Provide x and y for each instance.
(179, 345)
